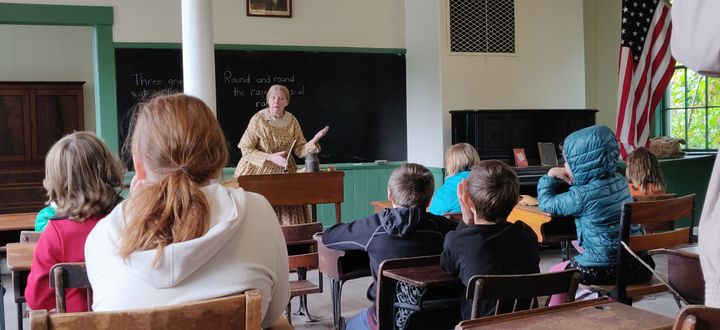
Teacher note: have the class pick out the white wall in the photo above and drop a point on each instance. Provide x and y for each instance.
(547, 71)
(561, 61)
(340, 23)
(602, 44)
(424, 97)
(59, 53)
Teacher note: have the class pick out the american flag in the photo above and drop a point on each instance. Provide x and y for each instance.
(646, 67)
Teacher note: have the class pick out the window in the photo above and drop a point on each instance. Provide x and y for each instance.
(691, 109)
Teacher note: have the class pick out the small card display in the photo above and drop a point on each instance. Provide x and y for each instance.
(520, 158)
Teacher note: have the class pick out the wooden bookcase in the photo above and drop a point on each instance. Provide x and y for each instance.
(33, 115)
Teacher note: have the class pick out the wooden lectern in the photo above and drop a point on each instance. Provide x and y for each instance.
(299, 189)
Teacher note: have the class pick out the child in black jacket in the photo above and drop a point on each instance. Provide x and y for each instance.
(406, 230)
(486, 243)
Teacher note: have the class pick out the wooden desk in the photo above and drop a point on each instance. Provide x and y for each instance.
(17, 221)
(548, 228)
(423, 295)
(378, 206)
(685, 273)
(340, 266)
(588, 314)
(19, 259)
(421, 277)
(19, 256)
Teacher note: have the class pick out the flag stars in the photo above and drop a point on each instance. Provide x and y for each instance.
(625, 9)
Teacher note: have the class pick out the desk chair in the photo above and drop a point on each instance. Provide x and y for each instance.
(29, 236)
(234, 312)
(299, 189)
(523, 290)
(70, 275)
(434, 307)
(658, 218)
(698, 317)
(299, 236)
(325, 187)
(341, 266)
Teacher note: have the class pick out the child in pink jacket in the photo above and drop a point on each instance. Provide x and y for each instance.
(83, 179)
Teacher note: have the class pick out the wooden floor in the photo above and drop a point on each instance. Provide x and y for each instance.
(354, 299)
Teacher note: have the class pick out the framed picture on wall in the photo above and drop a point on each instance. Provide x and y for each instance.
(269, 8)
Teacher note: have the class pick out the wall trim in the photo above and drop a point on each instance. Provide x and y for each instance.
(276, 48)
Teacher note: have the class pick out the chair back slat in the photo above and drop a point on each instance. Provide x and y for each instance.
(642, 198)
(520, 289)
(234, 312)
(660, 240)
(664, 210)
(307, 260)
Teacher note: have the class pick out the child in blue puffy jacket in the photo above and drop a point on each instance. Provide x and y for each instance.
(594, 198)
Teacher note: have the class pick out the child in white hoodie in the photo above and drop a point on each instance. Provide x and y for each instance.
(180, 237)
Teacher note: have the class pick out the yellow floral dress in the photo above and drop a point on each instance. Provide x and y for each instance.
(266, 135)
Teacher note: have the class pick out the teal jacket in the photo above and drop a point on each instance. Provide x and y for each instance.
(595, 197)
(445, 199)
(42, 218)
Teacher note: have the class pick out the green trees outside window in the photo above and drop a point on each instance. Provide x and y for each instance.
(691, 109)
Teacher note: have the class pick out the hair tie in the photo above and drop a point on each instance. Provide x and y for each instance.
(185, 169)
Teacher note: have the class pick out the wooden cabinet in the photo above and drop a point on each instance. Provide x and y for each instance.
(494, 133)
(33, 115)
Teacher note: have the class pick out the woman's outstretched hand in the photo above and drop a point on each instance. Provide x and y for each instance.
(319, 135)
(278, 158)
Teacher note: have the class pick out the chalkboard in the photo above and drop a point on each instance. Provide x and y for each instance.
(360, 96)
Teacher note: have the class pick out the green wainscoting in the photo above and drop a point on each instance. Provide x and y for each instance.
(364, 183)
(688, 175)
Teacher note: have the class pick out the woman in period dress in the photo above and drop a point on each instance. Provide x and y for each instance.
(265, 143)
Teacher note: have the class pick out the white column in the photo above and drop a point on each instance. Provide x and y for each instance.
(198, 50)
(425, 135)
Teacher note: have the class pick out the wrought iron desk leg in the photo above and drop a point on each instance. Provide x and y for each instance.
(303, 308)
(565, 247)
(2, 306)
(335, 294)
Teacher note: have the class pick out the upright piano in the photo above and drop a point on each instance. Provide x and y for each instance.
(494, 133)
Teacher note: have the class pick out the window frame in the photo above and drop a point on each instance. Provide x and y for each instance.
(662, 119)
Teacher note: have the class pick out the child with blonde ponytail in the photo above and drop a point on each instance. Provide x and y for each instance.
(181, 236)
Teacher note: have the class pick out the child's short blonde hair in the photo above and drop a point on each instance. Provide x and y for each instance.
(411, 185)
(494, 190)
(460, 157)
(82, 177)
(643, 171)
